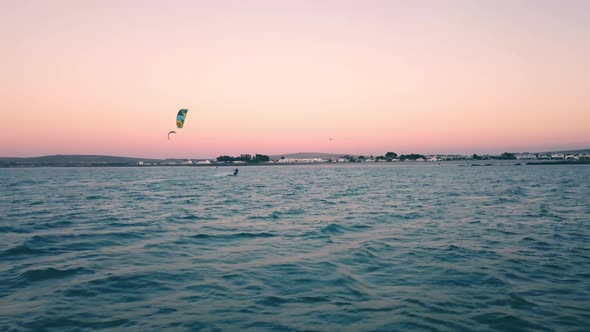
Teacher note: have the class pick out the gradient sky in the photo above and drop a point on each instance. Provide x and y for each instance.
(272, 77)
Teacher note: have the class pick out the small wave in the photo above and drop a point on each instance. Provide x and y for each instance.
(518, 191)
(85, 241)
(506, 322)
(242, 235)
(273, 301)
(257, 217)
(95, 197)
(313, 299)
(411, 216)
(133, 284)
(80, 292)
(61, 323)
(500, 231)
(50, 273)
(8, 229)
(515, 301)
(454, 247)
(327, 202)
(58, 224)
(41, 240)
(504, 200)
(109, 219)
(21, 249)
(536, 243)
(192, 217)
(336, 229)
(333, 229)
(166, 310)
(295, 211)
(275, 215)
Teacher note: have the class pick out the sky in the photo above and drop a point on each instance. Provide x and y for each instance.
(276, 77)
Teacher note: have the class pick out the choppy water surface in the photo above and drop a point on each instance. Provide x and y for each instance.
(327, 248)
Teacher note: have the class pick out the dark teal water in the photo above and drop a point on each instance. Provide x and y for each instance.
(327, 248)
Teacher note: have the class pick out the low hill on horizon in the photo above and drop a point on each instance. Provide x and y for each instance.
(81, 160)
(59, 158)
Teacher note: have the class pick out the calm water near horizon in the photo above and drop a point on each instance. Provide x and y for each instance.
(383, 247)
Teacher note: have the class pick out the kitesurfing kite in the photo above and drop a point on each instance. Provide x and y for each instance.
(180, 118)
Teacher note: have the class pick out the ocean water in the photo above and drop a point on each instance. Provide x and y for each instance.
(385, 247)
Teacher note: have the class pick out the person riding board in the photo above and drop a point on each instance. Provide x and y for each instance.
(236, 172)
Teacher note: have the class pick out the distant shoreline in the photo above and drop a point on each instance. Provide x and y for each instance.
(571, 157)
(232, 165)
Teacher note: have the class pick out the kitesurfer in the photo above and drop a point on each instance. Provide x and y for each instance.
(236, 172)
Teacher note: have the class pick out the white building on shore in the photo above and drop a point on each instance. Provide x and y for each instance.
(300, 160)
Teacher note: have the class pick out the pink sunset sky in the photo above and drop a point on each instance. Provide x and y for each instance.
(274, 77)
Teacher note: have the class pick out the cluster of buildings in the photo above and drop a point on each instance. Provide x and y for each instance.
(433, 158)
(187, 162)
(371, 159)
(334, 160)
(556, 156)
(306, 160)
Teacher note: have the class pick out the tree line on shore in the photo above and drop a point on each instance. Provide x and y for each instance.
(257, 158)
(389, 156)
(503, 156)
(247, 158)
